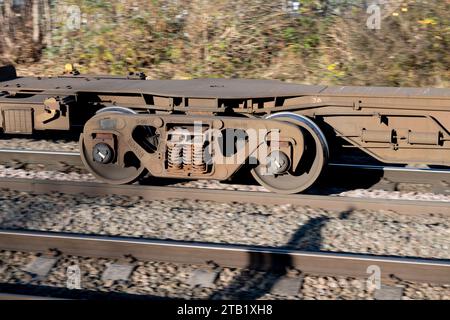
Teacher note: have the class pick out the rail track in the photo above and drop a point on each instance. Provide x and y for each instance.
(372, 176)
(238, 256)
(18, 296)
(226, 255)
(18, 291)
(25, 156)
(332, 203)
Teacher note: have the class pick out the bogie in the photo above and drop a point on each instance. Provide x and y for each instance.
(212, 128)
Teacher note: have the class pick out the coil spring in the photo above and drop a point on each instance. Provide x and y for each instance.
(199, 164)
(175, 156)
(185, 153)
(187, 156)
(193, 157)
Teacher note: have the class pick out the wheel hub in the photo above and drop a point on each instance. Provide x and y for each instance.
(277, 162)
(102, 153)
(279, 176)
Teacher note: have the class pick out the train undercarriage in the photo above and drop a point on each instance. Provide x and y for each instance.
(283, 133)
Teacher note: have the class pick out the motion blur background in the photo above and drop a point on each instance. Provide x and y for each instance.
(405, 43)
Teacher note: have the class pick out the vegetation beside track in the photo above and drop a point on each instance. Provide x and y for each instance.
(321, 41)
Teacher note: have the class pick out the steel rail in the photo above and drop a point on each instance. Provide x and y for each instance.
(227, 255)
(401, 174)
(331, 203)
(74, 157)
(17, 296)
(386, 168)
(40, 156)
(21, 291)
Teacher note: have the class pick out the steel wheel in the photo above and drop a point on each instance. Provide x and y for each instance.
(111, 173)
(311, 164)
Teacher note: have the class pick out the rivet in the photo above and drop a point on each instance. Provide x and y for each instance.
(158, 122)
(218, 124)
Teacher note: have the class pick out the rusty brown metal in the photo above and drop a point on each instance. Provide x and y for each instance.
(158, 163)
(392, 125)
(331, 203)
(16, 296)
(338, 174)
(357, 175)
(227, 255)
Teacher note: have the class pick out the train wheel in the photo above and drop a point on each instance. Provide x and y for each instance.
(98, 161)
(311, 164)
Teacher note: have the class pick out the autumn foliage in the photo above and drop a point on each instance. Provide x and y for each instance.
(321, 41)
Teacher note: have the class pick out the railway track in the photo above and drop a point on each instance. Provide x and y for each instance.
(18, 296)
(236, 256)
(226, 255)
(332, 203)
(374, 176)
(40, 156)
(18, 291)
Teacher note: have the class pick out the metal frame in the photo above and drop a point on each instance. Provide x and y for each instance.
(392, 125)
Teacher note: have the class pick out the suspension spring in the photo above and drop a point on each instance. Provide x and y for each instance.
(198, 164)
(175, 156)
(187, 156)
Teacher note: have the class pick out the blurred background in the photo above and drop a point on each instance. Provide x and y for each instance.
(354, 42)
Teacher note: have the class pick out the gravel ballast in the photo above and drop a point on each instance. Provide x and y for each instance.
(80, 176)
(72, 145)
(38, 144)
(375, 232)
(170, 280)
(287, 226)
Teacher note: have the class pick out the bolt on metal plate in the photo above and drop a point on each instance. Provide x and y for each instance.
(117, 272)
(203, 278)
(40, 266)
(389, 293)
(287, 286)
